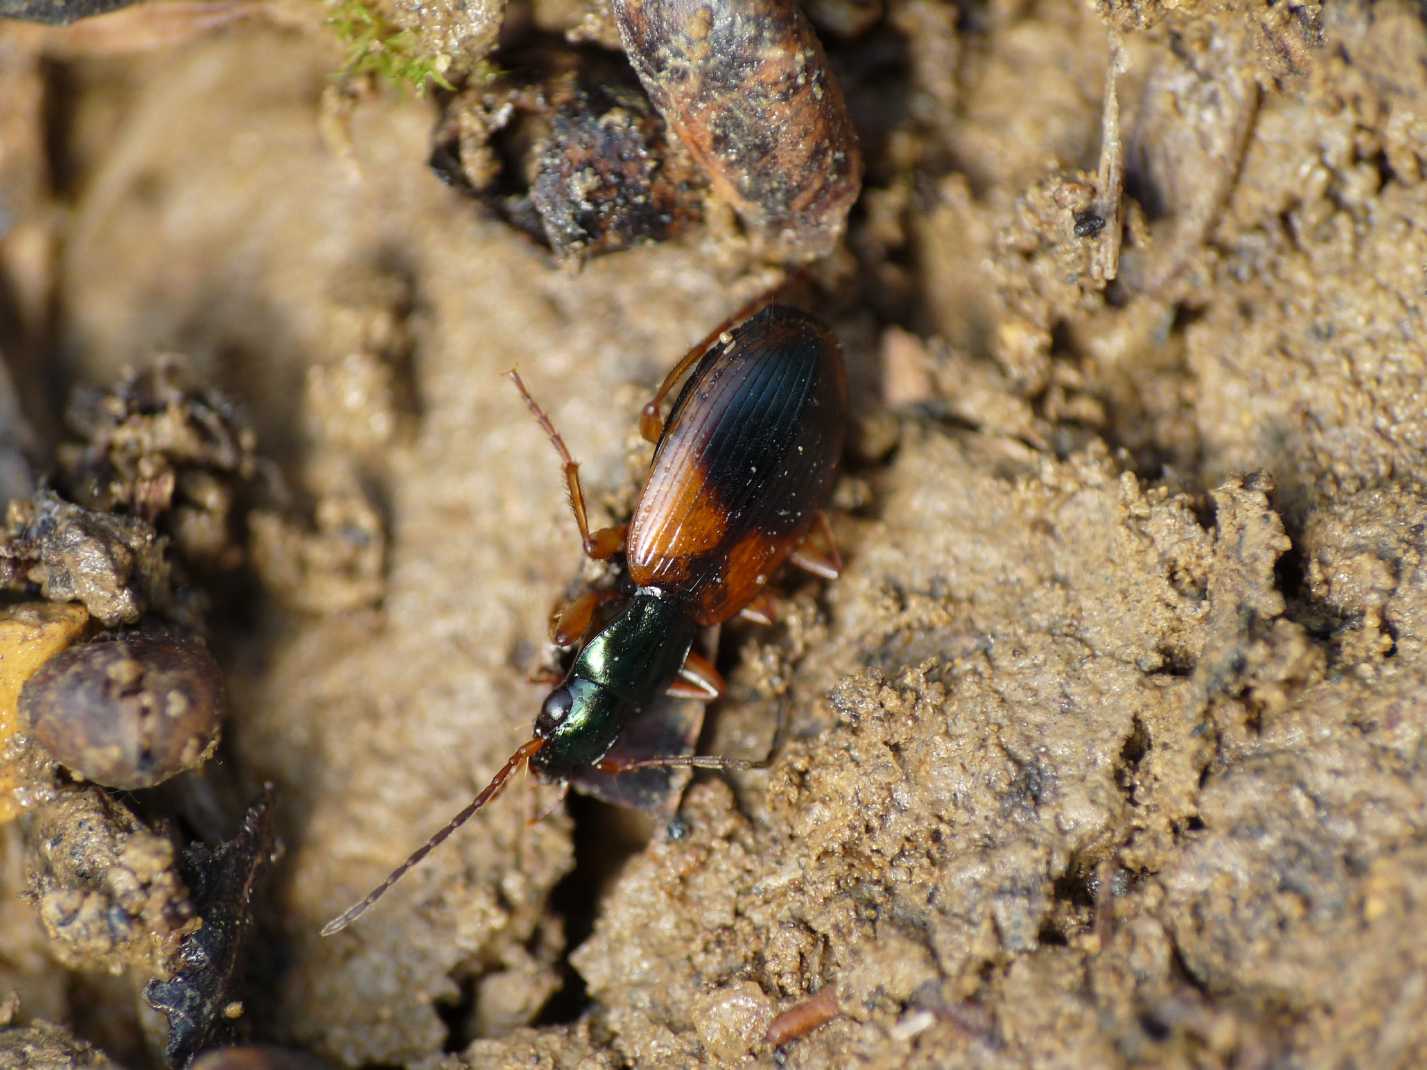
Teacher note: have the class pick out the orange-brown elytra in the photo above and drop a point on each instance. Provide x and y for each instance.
(743, 467)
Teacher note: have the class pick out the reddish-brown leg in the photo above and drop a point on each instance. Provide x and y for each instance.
(571, 621)
(823, 560)
(545, 676)
(602, 544)
(651, 424)
(698, 679)
(762, 610)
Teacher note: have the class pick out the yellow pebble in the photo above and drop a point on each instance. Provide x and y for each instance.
(30, 634)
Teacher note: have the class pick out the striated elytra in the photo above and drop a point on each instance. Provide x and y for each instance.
(748, 456)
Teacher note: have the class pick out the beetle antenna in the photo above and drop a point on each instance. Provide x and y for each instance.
(522, 756)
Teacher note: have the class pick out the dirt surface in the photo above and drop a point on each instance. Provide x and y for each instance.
(1106, 749)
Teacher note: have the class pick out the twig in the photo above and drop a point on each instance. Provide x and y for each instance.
(1110, 187)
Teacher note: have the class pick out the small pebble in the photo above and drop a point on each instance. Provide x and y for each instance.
(128, 712)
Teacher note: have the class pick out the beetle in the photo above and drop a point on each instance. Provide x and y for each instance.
(742, 468)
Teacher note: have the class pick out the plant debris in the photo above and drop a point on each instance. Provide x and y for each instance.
(156, 447)
(107, 888)
(572, 154)
(207, 985)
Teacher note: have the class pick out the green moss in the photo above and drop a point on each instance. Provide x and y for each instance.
(376, 46)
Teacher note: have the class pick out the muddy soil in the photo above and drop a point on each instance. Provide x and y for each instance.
(1108, 748)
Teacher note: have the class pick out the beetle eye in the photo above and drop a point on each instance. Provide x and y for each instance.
(557, 706)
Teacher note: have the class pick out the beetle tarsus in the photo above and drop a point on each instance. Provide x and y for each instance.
(822, 561)
(704, 681)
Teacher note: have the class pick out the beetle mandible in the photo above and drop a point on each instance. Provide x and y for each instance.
(742, 468)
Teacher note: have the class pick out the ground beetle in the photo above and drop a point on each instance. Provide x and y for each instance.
(742, 469)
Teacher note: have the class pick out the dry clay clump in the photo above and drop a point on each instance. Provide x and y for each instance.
(333, 565)
(1019, 833)
(359, 406)
(116, 896)
(46, 1046)
(573, 154)
(113, 565)
(106, 887)
(153, 445)
(1367, 566)
(151, 483)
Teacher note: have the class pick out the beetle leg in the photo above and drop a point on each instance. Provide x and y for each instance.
(534, 816)
(602, 544)
(651, 424)
(822, 561)
(545, 676)
(559, 801)
(617, 766)
(698, 679)
(762, 610)
(570, 621)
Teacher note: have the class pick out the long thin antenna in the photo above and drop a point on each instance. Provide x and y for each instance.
(522, 755)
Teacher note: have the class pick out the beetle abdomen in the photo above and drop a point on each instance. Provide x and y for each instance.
(748, 457)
